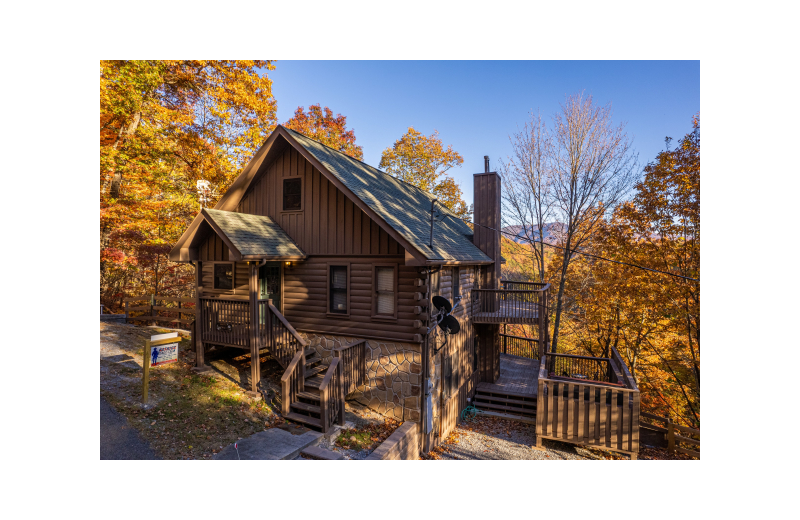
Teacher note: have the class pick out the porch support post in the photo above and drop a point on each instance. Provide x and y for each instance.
(200, 361)
(488, 335)
(255, 366)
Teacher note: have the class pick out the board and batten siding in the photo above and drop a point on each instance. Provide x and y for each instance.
(305, 301)
(328, 223)
(213, 249)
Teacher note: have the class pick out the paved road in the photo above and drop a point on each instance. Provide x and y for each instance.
(119, 440)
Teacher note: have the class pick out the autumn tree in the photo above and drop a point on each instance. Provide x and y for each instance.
(321, 125)
(423, 161)
(163, 126)
(652, 319)
(528, 186)
(592, 167)
(665, 217)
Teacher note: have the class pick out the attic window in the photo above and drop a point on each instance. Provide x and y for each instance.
(293, 194)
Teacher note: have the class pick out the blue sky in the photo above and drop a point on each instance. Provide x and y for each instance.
(475, 105)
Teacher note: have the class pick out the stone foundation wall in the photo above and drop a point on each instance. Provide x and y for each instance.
(394, 374)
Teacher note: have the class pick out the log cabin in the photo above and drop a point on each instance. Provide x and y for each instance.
(330, 266)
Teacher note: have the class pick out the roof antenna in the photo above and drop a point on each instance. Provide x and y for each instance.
(433, 202)
(486, 163)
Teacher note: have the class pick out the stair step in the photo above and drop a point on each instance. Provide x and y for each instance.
(313, 359)
(317, 453)
(310, 408)
(485, 397)
(315, 370)
(314, 382)
(305, 419)
(521, 411)
(311, 396)
(310, 351)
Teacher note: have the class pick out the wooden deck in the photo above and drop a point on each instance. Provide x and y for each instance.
(510, 312)
(518, 376)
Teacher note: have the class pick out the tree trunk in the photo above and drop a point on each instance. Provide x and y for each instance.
(560, 296)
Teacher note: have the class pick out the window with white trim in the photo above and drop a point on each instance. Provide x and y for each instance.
(385, 297)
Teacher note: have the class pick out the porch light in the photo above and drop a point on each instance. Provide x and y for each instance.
(288, 263)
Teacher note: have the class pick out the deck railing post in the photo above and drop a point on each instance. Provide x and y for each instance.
(340, 370)
(670, 436)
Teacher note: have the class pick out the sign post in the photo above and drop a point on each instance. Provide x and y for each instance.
(159, 350)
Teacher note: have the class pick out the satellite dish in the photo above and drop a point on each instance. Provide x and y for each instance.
(449, 325)
(444, 320)
(442, 303)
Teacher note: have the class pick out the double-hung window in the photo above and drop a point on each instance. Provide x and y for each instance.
(384, 291)
(338, 294)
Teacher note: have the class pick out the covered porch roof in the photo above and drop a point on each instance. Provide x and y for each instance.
(248, 237)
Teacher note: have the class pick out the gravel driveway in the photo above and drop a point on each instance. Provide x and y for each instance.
(492, 438)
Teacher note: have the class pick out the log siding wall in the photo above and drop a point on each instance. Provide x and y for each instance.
(241, 283)
(306, 299)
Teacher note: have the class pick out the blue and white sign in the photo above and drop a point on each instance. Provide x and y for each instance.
(164, 354)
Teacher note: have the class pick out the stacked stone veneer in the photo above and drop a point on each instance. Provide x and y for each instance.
(394, 374)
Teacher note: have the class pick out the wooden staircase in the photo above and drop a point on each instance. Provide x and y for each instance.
(306, 410)
(505, 402)
(312, 393)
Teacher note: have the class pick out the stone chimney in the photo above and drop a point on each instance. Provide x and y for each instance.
(486, 196)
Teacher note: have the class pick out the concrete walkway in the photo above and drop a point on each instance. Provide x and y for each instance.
(273, 444)
(118, 439)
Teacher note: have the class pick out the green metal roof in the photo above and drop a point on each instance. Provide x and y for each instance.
(254, 235)
(406, 208)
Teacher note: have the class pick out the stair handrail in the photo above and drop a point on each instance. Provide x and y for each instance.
(288, 325)
(293, 381)
(624, 373)
(354, 364)
(331, 393)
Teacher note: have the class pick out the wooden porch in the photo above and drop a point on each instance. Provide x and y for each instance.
(312, 393)
(518, 376)
(590, 401)
(514, 302)
(228, 322)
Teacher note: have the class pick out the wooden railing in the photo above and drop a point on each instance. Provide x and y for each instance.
(293, 381)
(154, 312)
(672, 439)
(331, 392)
(593, 413)
(228, 322)
(276, 333)
(522, 347)
(522, 286)
(353, 360)
(570, 366)
(225, 322)
(507, 306)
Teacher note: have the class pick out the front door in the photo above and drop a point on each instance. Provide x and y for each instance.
(269, 283)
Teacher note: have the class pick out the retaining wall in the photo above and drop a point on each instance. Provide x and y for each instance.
(403, 444)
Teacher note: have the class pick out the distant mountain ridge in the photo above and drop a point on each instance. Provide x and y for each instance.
(552, 232)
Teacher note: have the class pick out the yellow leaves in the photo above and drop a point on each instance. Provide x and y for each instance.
(423, 162)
